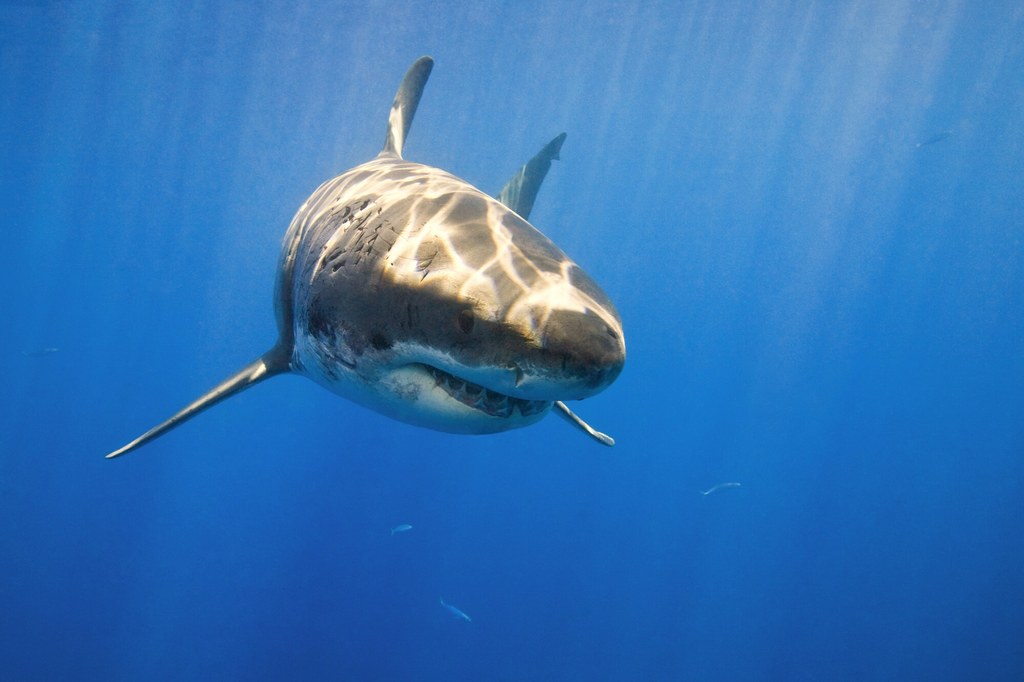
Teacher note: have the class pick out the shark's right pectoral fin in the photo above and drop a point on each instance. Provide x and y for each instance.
(573, 419)
(273, 362)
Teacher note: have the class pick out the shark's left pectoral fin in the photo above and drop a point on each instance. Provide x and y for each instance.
(520, 192)
(273, 362)
(573, 419)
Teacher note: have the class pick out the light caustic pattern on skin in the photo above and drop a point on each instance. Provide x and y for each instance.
(541, 290)
(490, 256)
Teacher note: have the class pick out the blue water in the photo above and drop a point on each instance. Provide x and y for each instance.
(815, 307)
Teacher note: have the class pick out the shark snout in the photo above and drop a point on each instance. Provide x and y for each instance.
(584, 352)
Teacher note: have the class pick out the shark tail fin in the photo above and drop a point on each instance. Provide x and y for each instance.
(520, 192)
(404, 106)
(273, 362)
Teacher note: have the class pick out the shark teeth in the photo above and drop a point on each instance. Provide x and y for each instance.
(483, 399)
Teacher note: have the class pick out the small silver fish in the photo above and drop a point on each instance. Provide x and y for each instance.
(937, 137)
(456, 612)
(401, 528)
(39, 352)
(720, 486)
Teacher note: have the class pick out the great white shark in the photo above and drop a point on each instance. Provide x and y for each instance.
(411, 292)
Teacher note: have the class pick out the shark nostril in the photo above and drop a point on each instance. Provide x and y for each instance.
(583, 341)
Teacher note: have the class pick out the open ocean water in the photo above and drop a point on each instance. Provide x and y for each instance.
(809, 215)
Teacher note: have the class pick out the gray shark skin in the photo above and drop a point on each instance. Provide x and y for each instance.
(411, 292)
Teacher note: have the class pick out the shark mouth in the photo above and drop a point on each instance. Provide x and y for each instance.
(484, 399)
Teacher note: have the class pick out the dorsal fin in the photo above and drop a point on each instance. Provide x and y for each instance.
(404, 107)
(273, 362)
(520, 192)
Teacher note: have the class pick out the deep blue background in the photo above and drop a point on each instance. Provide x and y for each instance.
(815, 306)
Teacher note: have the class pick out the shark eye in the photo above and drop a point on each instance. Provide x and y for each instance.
(466, 321)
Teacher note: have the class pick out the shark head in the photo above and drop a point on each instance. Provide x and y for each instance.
(445, 308)
(410, 291)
